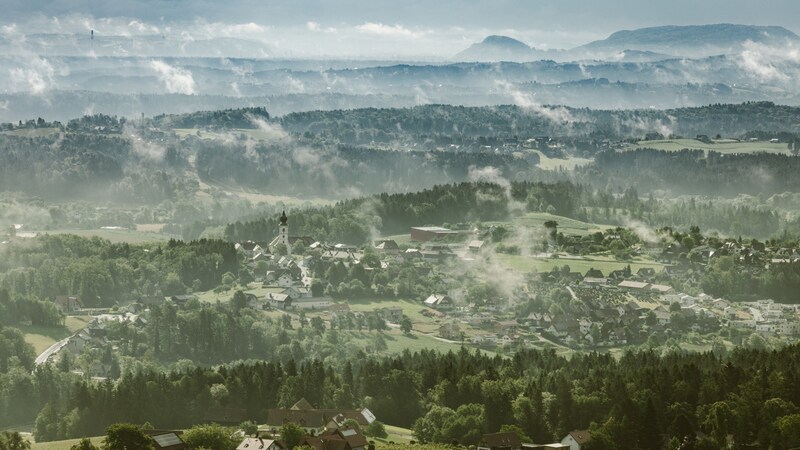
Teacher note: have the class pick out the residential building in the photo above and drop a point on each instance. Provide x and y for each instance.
(576, 439)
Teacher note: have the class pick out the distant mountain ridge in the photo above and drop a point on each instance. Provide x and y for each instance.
(501, 48)
(639, 45)
(720, 36)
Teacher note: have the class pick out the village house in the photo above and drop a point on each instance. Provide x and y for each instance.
(438, 301)
(428, 233)
(392, 314)
(500, 441)
(338, 438)
(280, 277)
(278, 301)
(68, 303)
(315, 421)
(259, 444)
(576, 439)
(312, 302)
(167, 440)
(450, 331)
(475, 246)
(337, 310)
(634, 286)
(505, 326)
(387, 247)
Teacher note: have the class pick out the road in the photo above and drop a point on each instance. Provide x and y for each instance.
(52, 350)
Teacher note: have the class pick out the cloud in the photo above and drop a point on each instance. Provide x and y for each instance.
(316, 27)
(387, 30)
(762, 62)
(491, 174)
(525, 101)
(175, 79)
(35, 75)
(144, 148)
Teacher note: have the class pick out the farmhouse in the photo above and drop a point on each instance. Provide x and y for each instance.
(314, 420)
(500, 441)
(279, 301)
(438, 301)
(259, 444)
(68, 303)
(576, 439)
(425, 234)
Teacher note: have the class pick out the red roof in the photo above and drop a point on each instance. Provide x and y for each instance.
(580, 436)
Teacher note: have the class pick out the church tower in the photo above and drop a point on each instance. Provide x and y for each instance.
(283, 233)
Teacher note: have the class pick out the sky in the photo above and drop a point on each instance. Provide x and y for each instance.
(380, 28)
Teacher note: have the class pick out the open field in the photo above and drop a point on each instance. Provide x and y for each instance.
(32, 132)
(63, 445)
(116, 236)
(43, 337)
(721, 146)
(565, 224)
(396, 434)
(576, 263)
(547, 163)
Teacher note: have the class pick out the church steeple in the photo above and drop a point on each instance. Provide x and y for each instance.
(283, 231)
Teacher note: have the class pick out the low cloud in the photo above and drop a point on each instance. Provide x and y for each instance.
(176, 80)
(387, 30)
(524, 100)
(316, 27)
(35, 75)
(763, 62)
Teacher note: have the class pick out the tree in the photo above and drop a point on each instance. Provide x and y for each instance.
(249, 428)
(84, 444)
(12, 440)
(126, 436)
(405, 325)
(317, 324)
(211, 436)
(239, 301)
(376, 429)
(280, 249)
(291, 434)
(508, 428)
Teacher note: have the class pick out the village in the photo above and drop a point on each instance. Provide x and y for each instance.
(560, 309)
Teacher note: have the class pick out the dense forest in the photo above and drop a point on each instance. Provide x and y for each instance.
(103, 274)
(641, 400)
(698, 172)
(362, 126)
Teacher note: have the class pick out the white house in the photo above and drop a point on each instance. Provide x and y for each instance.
(576, 439)
(259, 444)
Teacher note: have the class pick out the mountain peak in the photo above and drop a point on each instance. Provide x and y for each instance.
(498, 48)
(504, 41)
(720, 37)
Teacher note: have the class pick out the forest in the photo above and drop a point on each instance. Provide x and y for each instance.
(642, 399)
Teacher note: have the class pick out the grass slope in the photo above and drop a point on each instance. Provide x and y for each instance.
(721, 146)
(43, 337)
(63, 445)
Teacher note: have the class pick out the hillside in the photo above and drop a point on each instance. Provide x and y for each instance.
(501, 48)
(713, 38)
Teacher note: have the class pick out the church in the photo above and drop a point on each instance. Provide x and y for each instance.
(284, 238)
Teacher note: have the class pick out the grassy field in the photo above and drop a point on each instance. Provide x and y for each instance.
(63, 445)
(721, 146)
(397, 435)
(116, 236)
(577, 264)
(32, 132)
(565, 224)
(547, 163)
(43, 337)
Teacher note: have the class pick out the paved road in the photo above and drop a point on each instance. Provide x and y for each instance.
(52, 350)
